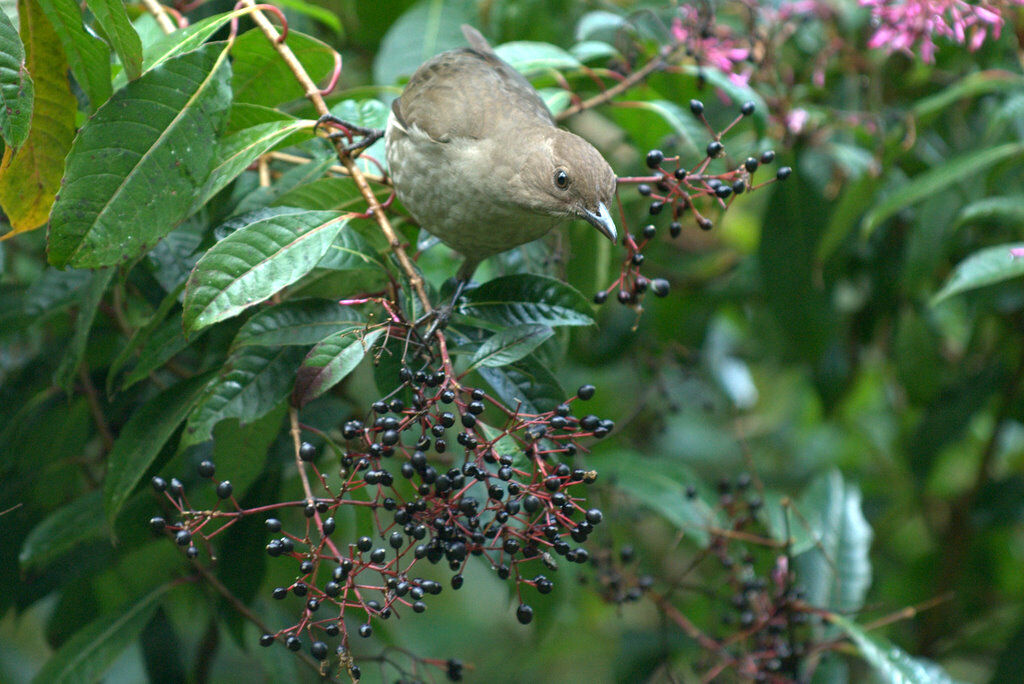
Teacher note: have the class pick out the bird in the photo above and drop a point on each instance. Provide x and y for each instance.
(476, 158)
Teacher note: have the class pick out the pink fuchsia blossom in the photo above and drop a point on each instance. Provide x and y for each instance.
(717, 48)
(903, 25)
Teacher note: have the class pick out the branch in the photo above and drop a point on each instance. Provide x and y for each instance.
(314, 96)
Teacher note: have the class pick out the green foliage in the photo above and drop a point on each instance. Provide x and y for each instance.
(817, 432)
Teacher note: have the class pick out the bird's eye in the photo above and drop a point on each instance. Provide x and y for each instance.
(561, 179)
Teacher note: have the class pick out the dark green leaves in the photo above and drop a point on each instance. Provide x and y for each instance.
(528, 299)
(87, 55)
(255, 261)
(938, 179)
(16, 92)
(510, 345)
(143, 437)
(137, 163)
(112, 17)
(95, 647)
(892, 664)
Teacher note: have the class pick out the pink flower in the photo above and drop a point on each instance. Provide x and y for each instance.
(903, 25)
(1017, 252)
(711, 44)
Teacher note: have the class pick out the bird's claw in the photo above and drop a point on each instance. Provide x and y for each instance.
(349, 131)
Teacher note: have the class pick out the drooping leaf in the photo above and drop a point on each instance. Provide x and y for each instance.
(938, 179)
(143, 437)
(424, 30)
(1008, 211)
(330, 361)
(891, 663)
(985, 267)
(112, 16)
(304, 322)
(16, 91)
(256, 261)
(510, 345)
(262, 77)
(253, 381)
(77, 522)
(836, 570)
(138, 163)
(87, 55)
(528, 299)
(30, 175)
(94, 648)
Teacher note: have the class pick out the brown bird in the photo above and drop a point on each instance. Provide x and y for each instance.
(476, 158)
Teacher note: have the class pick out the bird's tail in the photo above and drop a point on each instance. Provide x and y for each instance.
(476, 40)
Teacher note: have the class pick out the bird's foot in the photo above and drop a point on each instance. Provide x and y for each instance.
(358, 137)
(440, 316)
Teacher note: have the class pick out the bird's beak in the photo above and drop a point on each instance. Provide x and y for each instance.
(602, 220)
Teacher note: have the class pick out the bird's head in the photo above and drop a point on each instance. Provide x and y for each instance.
(568, 177)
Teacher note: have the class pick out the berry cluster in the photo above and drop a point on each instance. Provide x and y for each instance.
(681, 190)
(747, 580)
(507, 498)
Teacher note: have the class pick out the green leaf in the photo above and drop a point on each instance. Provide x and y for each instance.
(112, 16)
(891, 663)
(77, 522)
(143, 437)
(524, 299)
(938, 179)
(255, 262)
(321, 14)
(599, 23)
(686, 127)
(985, 267)
(95, 647)
(510, 345)
(16, 91)
(262, 77)
(425, 29)
(338, 194)
(836, 570)
(530, 58)
(1006, 211)
(160, 131)
(330, 361)
(660, 484)
(142, 335)
(240, 450)
(185, 40)
(165, 343)
(503, 444)
(87, 55)
(526, 384)
(30, 176)
(253, 382)
(973, 85)
(591, 50)
(236, 152)
(65, 374)
(304, 322)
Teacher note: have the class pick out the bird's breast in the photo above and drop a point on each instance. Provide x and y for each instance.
(456, 190)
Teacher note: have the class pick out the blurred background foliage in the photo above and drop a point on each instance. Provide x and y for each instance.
(808, 334)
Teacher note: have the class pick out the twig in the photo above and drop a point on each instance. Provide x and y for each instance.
(160, 14)
(95, 409)
(622, 86)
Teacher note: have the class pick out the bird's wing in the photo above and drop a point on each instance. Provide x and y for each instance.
(469, 93)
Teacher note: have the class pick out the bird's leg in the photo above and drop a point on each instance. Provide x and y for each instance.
(368, 136)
